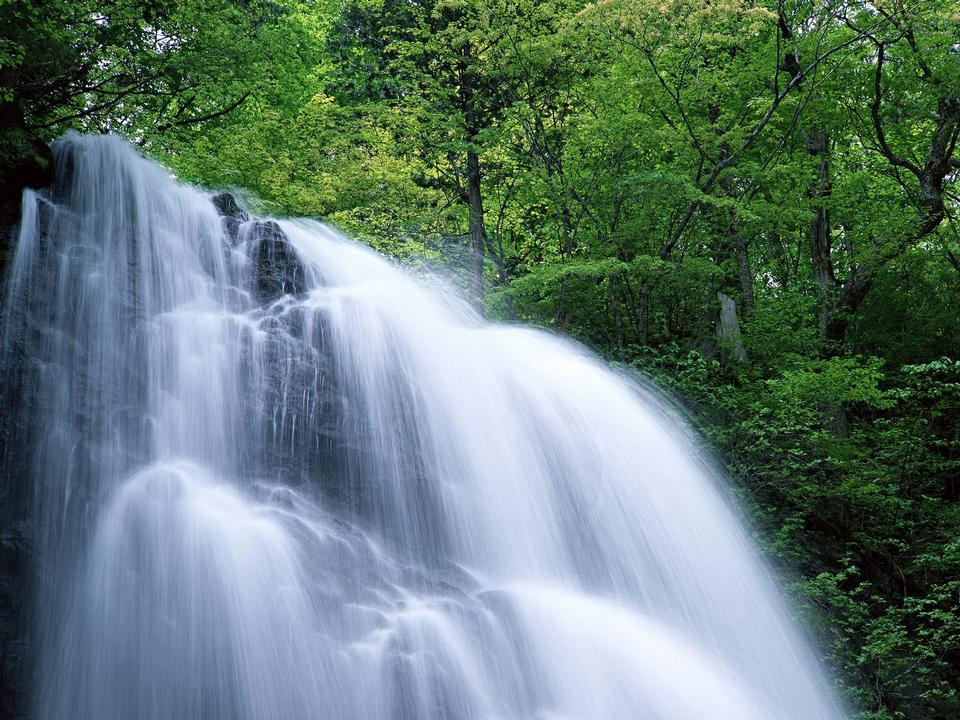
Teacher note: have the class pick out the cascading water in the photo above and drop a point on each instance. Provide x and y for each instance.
(274, 476)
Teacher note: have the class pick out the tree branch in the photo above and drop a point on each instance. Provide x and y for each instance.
(892, 157)
(209, 116)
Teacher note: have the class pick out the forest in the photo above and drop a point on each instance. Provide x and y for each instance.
(753, 203)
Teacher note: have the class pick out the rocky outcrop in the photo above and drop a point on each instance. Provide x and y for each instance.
(227, 206)
(233, 215)
(277, 269)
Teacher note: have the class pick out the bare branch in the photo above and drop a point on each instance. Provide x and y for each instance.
(209, 116)
(893, 158)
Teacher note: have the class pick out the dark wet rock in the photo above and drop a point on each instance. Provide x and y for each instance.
(227, 206)
(278, 270)
(25, 162)
(15, 577)
(233, 215)
(18, 533)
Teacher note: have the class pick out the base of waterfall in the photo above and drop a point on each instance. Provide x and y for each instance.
(230, 594)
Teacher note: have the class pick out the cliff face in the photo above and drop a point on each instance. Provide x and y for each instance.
(16, 576)
(25, 162)
(18, 557)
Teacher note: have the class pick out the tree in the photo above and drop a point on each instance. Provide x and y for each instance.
(138, 68)
(447, 67)
(909, 68)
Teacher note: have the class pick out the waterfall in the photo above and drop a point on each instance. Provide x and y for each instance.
(271, 475)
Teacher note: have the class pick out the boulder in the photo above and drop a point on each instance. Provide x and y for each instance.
(227, 206)
(278, 270)
(233, 215)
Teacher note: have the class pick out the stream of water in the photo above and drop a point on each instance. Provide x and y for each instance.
(274, 476)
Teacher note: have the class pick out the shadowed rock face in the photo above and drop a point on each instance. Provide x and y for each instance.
(227, 205)
(233, 215)
(278, 270)
(25, 162)
(15, 576)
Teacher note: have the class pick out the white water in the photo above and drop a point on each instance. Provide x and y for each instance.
(357, 502)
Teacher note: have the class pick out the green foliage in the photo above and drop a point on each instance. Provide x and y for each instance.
(839, 379)
(131, 67)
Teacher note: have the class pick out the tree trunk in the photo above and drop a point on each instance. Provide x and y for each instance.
(568, 243)
(615, 310)
(731, 344)
(818, 234)
(931, 212)
(643, 310)
(477, 232)
(743, 270)
(560, 317)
